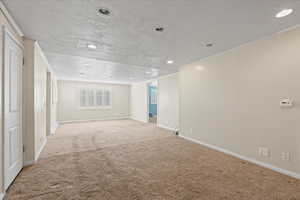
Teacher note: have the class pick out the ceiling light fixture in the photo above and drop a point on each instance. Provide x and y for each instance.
(199, 68)
(209, 45)
(170, 61)
(284, 13)
(148, 72)
(104, 11)
(92, 46)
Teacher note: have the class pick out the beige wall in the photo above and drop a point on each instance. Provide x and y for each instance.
(34, 83)
(28, 100)
(3, 23)
(232, 101)
(168, 102)
(54, 100)
(139, 102)
(51, 103)
(68, 102)
(40, 87)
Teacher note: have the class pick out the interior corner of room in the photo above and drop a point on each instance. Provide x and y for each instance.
(213, 102)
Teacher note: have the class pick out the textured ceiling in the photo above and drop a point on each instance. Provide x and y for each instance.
(127, 44)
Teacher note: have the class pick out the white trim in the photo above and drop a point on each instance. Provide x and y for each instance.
(36, 157)
(53, 130)
(2, 195)
(13, 37)
(10, 19)
(92, 81)
(143, 121)
(166, 127)
(28, 163)
(260, 163)
(93, 120)
(156, 78)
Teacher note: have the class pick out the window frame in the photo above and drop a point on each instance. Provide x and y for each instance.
(95, 90)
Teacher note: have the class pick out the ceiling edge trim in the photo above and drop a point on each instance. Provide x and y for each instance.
(10, 19)
(156, 79)
(93, 81)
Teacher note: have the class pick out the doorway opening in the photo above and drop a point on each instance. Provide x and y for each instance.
(152, 102)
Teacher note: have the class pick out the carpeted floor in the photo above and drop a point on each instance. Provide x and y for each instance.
(128, 160)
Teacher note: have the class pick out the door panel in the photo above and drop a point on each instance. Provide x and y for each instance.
(13, 144)
(13, 82)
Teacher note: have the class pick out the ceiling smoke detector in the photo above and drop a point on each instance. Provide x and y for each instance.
(159, 29)
(104, 11)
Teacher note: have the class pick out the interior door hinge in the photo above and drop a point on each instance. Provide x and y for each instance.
(23, 61)
(23, 149)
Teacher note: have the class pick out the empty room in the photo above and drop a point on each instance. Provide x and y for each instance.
(150, 100)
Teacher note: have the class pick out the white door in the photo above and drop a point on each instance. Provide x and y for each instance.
(13, 145)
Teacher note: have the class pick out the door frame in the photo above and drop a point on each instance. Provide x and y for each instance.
(7, 33)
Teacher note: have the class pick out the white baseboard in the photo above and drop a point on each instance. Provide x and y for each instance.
(37, 155)
(53, 130)
(262, 164)
(93, 120)
(28, 163)
(135, 119)
(2, 195)
(166, 127)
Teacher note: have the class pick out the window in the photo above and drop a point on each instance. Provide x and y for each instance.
(95, 98)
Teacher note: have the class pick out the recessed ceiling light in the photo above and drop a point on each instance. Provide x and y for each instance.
(104, 11)
(284, 13)
(170, 61)
(148, 72)
(92, 46)
(159, 29)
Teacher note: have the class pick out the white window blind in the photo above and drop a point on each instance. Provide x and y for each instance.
(95, 98)
(99, 97)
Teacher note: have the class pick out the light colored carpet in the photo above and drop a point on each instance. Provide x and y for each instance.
(128, 160)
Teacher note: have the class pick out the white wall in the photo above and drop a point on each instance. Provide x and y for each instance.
(168, 102)
(139, 102)
(232, 101)
(68, 102)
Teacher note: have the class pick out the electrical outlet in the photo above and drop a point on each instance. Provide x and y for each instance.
(286, 156)
(263, 152)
